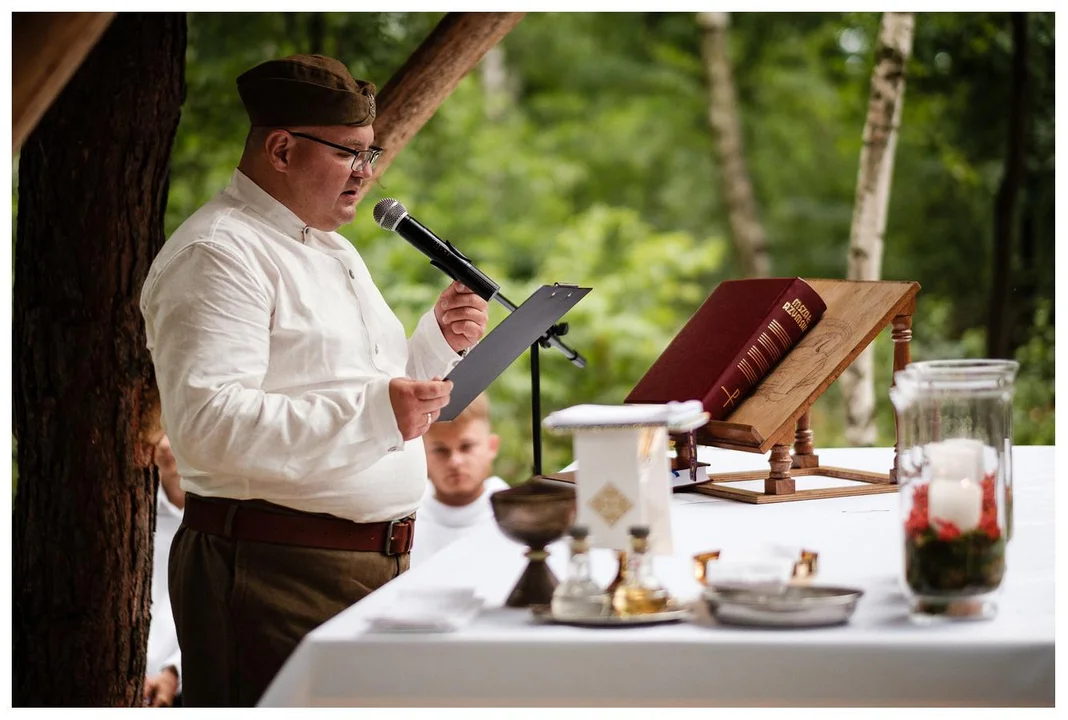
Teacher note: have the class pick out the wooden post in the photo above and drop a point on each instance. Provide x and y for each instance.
(779, 482)
(804, 457)
(902, 336)
(46, 50)
(430, 75)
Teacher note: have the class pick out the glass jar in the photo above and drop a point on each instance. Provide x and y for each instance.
(640, 592)
(955, 477)
(578, 597)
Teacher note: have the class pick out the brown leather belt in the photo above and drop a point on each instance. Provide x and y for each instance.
(243, 520)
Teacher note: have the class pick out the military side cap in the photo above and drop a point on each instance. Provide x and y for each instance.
(305, 90)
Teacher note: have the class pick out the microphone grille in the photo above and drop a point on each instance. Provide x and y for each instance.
(388, 212)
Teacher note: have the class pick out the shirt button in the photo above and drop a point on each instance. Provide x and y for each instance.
(376, 349)
(352, 274)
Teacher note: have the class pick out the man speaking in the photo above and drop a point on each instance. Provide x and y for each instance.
(294, 403)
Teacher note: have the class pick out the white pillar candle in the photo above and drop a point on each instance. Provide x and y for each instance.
(957, 501)
(955, 459)
(955, 494)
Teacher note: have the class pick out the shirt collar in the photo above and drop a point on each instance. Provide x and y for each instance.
(260, 201)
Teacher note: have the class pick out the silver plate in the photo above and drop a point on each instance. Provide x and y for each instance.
(793, 606)
(544, 614)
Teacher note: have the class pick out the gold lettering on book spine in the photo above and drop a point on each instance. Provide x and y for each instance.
(743, 365)
(780, 334)
(731, 397)
(773, 351)
(797, 310)
(758, 358)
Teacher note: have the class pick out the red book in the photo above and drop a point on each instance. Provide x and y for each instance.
(731, 343)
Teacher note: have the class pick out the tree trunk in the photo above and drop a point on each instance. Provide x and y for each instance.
(92, 192)
(747, 234)
(999, 325)
(432, 72)
(316, 33)
(1025, 295)
(872, 201)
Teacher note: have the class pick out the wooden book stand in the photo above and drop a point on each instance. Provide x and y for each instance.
(777, 413)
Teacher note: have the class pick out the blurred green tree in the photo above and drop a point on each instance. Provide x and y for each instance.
(598, 167)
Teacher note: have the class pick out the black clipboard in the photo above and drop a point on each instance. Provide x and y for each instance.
(506, 342)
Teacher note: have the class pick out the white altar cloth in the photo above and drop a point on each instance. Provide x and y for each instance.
(880, 658)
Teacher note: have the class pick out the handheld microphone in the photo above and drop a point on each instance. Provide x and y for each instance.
(390, 214)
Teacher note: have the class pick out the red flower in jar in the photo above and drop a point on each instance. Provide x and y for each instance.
(988, 524)
(947, 530)
(988, 520)
(917, 523)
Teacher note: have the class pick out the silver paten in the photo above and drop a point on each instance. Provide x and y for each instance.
(783, 606)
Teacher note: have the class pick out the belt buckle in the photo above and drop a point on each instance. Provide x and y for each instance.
(388, 549)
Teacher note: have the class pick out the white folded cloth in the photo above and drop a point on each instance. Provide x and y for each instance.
(758, 564)
(428, 610)
(677, 416)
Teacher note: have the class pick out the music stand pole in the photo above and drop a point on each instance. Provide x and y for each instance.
(535, 407)
(550, 338)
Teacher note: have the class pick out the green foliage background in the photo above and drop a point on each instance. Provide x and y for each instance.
(598, 168)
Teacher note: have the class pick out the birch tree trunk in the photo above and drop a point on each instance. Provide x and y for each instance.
(498, 86)
(872, 201)
(92, 193)
(746, 232)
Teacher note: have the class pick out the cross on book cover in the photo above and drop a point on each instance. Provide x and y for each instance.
(737, 336)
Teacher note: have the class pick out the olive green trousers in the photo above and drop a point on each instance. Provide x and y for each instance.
(242, 607)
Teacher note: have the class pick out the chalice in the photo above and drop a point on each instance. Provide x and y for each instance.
(534, 514)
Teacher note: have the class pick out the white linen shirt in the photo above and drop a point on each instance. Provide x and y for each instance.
(273, 352)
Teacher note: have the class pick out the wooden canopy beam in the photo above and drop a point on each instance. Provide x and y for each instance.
(430, 75)
(47, 49)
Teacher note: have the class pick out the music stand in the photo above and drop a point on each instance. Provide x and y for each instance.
(527, 326)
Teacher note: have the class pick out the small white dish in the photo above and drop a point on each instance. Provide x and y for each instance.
(436, 599)
(749, 571)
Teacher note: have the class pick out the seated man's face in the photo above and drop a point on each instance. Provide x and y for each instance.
(459, 457)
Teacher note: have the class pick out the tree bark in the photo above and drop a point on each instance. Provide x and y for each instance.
(872, 202)
(92, 193)
(746, 232)
(999, 324)
(432, 72)
(48, 48)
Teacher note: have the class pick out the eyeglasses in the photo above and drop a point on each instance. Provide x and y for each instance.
(360, 158)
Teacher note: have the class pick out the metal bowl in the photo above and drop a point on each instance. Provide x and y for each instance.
(790, 606)
(534, 513)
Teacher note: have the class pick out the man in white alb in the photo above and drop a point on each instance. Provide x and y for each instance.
(164, 663)
(459, 459)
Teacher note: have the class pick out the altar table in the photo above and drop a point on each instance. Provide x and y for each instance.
(505, 658)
